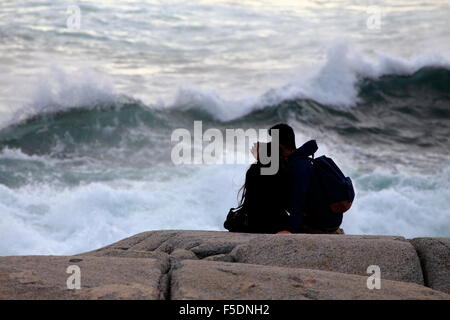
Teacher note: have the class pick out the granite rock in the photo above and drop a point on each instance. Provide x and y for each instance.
(199, 280)
(349, 254)
(434, 255)
(45, 277)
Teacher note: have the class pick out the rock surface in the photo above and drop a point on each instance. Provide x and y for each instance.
(45, 277)
(172, 264)
(231, 281)
(434, 254)
(395, 256)
(202, 243)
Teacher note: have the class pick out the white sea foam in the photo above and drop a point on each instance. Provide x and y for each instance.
(400, 204)
(42, 219)
(58, 89)
(45, 220)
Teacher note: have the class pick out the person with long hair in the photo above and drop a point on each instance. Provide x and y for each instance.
(264, 197)
(263, 200)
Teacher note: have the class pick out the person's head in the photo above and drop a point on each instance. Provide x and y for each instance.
(286, 136)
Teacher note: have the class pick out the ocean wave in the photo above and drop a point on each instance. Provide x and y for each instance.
(407, 110)
(337, 83)
(378, 101)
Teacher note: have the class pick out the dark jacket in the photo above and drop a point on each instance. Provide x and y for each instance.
(299, 172)
(265, 201)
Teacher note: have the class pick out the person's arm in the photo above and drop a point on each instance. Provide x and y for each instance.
(300, 179)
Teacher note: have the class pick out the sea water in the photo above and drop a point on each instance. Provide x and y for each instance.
(87, 111)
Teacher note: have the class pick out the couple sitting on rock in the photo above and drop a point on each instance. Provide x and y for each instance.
(284, 202)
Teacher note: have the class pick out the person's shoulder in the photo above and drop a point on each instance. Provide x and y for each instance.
(299, 162)
(293, 158)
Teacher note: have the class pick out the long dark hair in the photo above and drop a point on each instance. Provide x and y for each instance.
(254, 171)
(249, 176)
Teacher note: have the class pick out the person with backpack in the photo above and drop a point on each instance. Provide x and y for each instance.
(317, 192)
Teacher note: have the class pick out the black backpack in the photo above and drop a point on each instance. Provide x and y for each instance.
(330, 187)
(237, 220)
